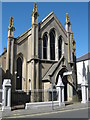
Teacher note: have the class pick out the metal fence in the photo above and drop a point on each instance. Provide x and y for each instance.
(39, 95)
(19, 97)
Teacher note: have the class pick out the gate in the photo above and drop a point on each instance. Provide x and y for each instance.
(19, 97)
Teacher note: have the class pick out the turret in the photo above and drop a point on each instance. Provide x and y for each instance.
(11, 28)
(35, 15)
(69, 38)
(10, 47)
(35, 54)
(35, 31)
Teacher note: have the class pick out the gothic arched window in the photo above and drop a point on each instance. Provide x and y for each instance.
(60, 47)
(45, 38)
(52, 44)
(19, 74)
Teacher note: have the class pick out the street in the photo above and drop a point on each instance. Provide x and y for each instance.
(73, 113)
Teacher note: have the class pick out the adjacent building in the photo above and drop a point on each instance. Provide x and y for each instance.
(83, 72)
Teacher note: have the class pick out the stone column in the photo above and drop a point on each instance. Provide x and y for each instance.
(8, 56)
(56, 47)
(9, 97)
(42, 48)
(59, 96)
(62, 94)
(48, 48)
(87, 93)
(33, 82)
(63, 46)
(69, 89)
(12, 57)
(68, 40)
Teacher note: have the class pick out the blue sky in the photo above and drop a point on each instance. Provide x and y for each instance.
(21, 12)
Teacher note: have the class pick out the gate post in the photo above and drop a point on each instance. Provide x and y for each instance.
(6, 95)
(60, 88)
(84, 86)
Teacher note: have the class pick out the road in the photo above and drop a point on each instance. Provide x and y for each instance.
(73, 113)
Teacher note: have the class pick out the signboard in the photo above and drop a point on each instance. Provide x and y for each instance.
(67, 73)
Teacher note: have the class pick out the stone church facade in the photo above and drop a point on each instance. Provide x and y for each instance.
(34, 60)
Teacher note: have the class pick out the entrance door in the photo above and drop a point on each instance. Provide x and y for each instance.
(19, 74)
(65, 88)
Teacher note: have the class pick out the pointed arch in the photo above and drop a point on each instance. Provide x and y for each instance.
(64, 80)
(59, 46)
(52, 44)
(45, 39)
(19, 73)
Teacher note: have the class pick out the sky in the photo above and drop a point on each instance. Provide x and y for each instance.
(21, 12)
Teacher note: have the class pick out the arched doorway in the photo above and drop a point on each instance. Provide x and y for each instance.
(19, 74)
(65, 82)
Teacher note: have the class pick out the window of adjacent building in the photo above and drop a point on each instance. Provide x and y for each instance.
(60, 47)
(45, 38)
(19, 74)
(52, 44)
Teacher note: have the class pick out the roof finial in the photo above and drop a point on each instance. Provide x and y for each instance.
(67, 19)
(11, 21)
(35, 7)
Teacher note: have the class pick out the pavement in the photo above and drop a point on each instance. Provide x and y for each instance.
(36, 110)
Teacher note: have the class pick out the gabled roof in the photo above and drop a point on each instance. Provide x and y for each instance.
(84, 57)
(28, 32)
(49, 17)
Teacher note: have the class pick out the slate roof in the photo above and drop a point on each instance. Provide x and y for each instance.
(84, 57)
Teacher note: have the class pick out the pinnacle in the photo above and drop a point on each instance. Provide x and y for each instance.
(67, 19)
(35, 7)
(11, 21)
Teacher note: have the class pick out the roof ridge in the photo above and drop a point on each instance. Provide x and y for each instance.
(23, 33)
(47, 16)
(84, 57)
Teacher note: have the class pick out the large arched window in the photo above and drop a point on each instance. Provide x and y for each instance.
(45, 38)
(19, 74)
(52, 44)
(60, 47)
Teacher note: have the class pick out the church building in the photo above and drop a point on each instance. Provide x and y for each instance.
(34, 60)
